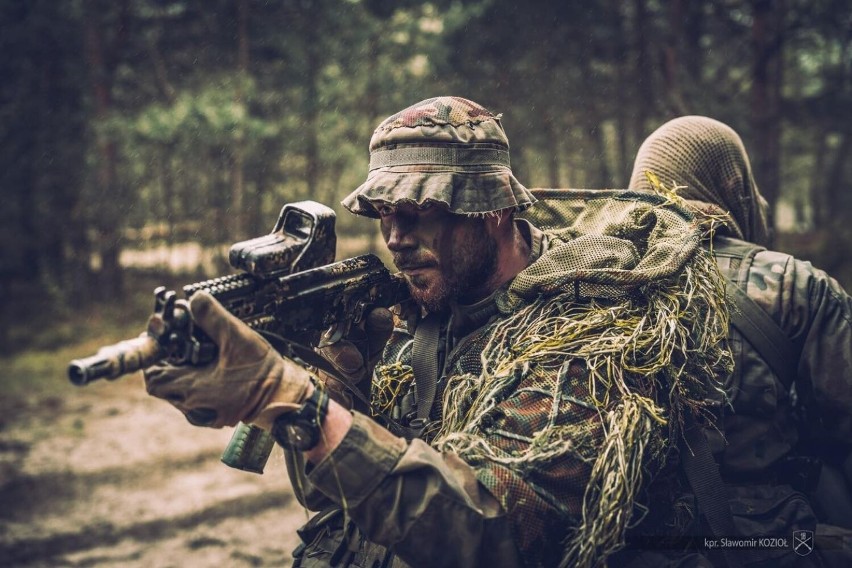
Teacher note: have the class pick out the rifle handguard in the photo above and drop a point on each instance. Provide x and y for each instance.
(290, 287)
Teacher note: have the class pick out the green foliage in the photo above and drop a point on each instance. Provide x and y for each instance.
(37, 362)
(218, 114)
(57, 324)
(188, 114)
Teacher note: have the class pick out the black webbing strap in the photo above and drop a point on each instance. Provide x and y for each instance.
(761, 331)
(424, 363)
(306, 356)
(702, 472)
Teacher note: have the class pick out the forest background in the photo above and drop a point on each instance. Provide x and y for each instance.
(135, 132)
(140, 139)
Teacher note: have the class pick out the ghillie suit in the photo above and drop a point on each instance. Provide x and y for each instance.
(554, 403)
(573, 394)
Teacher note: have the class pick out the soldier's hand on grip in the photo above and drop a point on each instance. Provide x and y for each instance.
(355, 355)
(248, 381)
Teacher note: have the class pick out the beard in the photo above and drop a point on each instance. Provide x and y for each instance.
(460, 275)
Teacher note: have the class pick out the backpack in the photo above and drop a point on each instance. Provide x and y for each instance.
(789, 513)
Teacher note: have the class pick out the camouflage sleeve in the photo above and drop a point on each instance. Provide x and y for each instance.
(426, 505)
(816, 312)
(438, 509)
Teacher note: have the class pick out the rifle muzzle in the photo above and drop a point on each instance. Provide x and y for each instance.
(113, 361)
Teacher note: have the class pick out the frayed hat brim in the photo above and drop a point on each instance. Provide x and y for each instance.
(461, 192)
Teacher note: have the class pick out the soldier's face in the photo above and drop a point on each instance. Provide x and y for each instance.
(444, 257)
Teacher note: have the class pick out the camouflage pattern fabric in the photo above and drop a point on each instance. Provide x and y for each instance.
(708, 162)
(451, 111)
(554, 413)
(760, 430)
(447, 151)
(816, 313)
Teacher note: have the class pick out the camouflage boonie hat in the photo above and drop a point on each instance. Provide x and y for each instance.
(447, 151)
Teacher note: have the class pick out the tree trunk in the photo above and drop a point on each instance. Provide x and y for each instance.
(837, 200)
(598, 173)
(643, 76)
(553, 152)
(108, 222)
(371, 109)
(237, 217)
(313, 64)
(818, 190)
(623, 159)
(766, 93)
(672, 57)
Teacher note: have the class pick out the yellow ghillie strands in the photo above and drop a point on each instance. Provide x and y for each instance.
(647, 363)
(649, 325)
(392, 382)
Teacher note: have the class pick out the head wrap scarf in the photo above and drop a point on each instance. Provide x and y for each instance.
(709, 161)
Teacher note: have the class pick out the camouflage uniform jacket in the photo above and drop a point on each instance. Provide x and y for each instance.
(780, 444)
(554, 406)
(815, 313)
(437, 510)
(759, 440)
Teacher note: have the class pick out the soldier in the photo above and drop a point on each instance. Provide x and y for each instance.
(526, 395)
(786, 425)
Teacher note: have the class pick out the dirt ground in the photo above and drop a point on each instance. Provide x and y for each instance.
(106, 476)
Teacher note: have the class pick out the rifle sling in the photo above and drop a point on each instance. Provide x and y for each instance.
(306, 356)
(424, 363)
(701, 470)
(761, 331)
(704, 478)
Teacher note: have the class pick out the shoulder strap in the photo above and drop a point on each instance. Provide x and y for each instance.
(702, 472)
(752, 321)
(766, 336)
(424, 363)
(306, 356)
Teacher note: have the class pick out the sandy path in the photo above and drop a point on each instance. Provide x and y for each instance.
(107, 476)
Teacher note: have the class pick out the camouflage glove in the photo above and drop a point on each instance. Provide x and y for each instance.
(355, 355)
(249, 381)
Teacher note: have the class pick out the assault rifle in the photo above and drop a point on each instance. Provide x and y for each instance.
(290, 291)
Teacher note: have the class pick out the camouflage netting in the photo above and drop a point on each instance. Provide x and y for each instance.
(624, 287)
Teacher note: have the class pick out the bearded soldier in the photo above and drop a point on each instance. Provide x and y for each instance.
(537, 382)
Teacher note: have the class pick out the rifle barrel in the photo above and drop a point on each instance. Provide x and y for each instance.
(113, 361)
